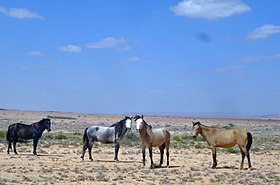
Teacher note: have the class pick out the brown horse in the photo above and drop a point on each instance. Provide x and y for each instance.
(153, 138)
(225, 138)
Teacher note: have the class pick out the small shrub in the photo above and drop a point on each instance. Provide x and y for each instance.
(231, 125)
(77, 134)
(2, 134)
(192, 142)
(199, 138)
(198, 146)
(131, 139)
(59, 136)
(177, 138)
(232, 150)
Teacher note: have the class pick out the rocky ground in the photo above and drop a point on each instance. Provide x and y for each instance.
(59, 162)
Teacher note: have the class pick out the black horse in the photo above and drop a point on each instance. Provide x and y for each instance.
(23, 131)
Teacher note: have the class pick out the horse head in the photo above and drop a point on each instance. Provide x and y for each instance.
(47, 124)
(128, 121)
(139, 122)
(196, 129)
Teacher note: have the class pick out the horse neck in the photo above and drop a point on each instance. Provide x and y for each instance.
(120, 128)
(206, 133)
(144, 132)
(39, 128)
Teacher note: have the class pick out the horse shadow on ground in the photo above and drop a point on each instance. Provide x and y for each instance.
(111, 161)
(38, 155)
(231, 167)
(161, 167)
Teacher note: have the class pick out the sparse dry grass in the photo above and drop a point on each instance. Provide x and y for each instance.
(58, 160)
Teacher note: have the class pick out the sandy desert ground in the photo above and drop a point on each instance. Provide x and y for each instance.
(58, 160)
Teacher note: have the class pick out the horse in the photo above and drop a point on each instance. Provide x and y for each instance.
(106, 135)
(23, 131)
(151, 137)
(225, 138)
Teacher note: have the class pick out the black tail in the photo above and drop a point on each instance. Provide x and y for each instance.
(85, 138)
(249, 142)
(8, 136)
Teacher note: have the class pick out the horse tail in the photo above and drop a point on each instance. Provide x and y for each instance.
(8, 136)
(249, 142)
(11, 132)
(85, 138)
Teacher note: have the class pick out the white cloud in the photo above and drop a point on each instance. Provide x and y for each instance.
(259, 58)
(209, 9)
(231, 69)
(35, 53)
(110, 42)
(263, 32)
(133, 59)
(20, 13)
(70, 48)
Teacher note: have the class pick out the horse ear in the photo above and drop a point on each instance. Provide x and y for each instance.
(142, 116)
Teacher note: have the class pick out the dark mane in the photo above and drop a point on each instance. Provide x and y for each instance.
(196, 123)
(119, 122)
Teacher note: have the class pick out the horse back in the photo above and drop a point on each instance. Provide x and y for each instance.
(24, 131)
(160, 136)
(101, 134)
(228, 137)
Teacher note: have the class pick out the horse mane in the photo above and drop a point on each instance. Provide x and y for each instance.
(44, 119)
(200, 124)
(119, 122)
(196, 123)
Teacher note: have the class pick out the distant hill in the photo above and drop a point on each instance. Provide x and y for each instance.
(270, 116)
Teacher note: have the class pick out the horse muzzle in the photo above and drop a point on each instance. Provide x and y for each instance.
(49, 130)
(194, 136)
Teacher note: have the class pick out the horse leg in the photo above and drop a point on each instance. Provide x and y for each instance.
(9, 147)
(214, 155)
(143, 154)
(151, 156)
(85, 146)
(117, 147)
(90, 144)
(35, 142)
(14, 145)
(249, 161)
(244, 153)
(161, 149)
(242, 160)
(167, 155)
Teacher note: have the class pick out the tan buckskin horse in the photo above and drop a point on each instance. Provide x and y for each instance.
(225, 138)
(151, 137)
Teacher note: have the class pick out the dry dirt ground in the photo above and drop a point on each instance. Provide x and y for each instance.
(58, 160)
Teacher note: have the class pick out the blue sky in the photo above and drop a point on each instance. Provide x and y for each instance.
(191, 56)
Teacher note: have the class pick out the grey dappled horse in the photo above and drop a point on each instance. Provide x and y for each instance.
(106, 135)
